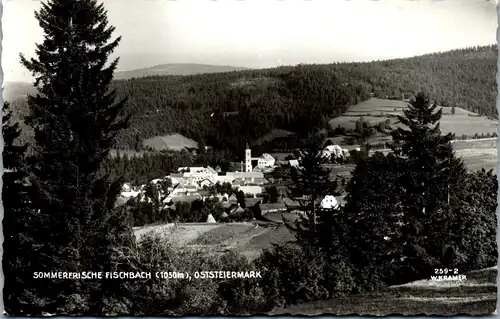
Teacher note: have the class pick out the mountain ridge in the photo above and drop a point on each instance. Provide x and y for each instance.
(176, 69)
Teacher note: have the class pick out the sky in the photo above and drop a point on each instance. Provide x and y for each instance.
(266, 33)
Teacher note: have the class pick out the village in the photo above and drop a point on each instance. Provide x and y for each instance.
(192, 184)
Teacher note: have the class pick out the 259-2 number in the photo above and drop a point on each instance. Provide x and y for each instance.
(445, 271)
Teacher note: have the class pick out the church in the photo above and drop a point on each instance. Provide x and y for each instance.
(265, 160)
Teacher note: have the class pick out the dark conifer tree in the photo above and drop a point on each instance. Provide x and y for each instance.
(19, 228)
(373, 213)
(432, 184)
(311, 183)
(75, 118)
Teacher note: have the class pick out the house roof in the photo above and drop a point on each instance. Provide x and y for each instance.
(236, 210)
(278, 217)
(251, 189)
(186, 198)
(245, 174)
(291, 202)
(267, 157)
(272, 206)
(250, 202)
(210, 219)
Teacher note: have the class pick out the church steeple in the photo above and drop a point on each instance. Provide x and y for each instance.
(248, 159)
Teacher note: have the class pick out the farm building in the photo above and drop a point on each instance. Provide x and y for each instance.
(261, 210)
(266, 160)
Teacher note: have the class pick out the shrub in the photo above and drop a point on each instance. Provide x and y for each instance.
(292, 274)
(154, 253)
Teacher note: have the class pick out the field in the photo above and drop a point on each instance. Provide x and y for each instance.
(477, 295)
(378, 110)
(476, 154)
(248, 239)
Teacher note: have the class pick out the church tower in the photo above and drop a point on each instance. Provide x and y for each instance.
(248, 159)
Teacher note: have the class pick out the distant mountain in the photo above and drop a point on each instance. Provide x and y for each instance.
(16, 90)
(176, 69)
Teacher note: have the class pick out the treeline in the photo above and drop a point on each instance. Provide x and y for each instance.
(139, 170)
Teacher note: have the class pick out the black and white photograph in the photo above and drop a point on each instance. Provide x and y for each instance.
(249, 157)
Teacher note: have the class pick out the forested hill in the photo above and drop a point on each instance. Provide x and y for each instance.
(298, 98)
(227, 109)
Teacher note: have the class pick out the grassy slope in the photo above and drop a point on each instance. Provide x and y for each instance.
(475, 296)
(245, 238)
(379, 110)
(476, 154)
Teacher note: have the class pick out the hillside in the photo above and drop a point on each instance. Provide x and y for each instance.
(298, 99)
(477, 295)
(376, 110)
(176, 69)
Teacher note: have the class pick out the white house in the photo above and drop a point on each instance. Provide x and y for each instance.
(329, 202)
(294, 163)
(334, 151)
(206, 182)
(266, 160)
(179, 190)
(250, 190)
(126, 187)
(195, 175)
(248, 177)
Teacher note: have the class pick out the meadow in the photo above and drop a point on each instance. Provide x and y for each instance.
(376, 110)
(249, 239)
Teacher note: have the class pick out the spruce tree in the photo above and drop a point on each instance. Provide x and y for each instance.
(311, 182)
(19, 228)
(75, 118)
(373, 212)
(432, 184)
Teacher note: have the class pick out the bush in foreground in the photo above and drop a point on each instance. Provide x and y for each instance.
(172, 297)
(292, 274)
